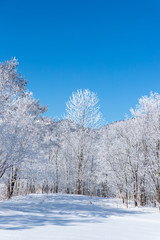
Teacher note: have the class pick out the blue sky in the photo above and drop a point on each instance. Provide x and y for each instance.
(110, 47)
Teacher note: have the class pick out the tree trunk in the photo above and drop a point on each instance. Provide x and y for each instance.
(11, 182)
(136, 190)
(80, 173)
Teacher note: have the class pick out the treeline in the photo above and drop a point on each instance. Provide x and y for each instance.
(78, 155)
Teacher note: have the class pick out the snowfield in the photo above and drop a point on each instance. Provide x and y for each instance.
(73, 217)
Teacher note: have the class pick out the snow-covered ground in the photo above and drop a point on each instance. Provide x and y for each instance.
(72, 217)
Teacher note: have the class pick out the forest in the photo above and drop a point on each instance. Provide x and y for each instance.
(78, 154)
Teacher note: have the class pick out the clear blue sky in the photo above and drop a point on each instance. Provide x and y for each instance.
(111, 47)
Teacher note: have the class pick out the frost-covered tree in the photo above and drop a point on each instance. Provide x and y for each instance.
(12, 86)
(148, 111)
(83, 109)
(20, 124)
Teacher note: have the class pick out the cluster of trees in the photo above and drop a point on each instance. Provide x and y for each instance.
(20, 126)
(79, 154)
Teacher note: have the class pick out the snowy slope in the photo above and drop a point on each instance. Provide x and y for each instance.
(72, 217)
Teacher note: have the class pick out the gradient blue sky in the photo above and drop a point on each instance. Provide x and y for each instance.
(110, 47)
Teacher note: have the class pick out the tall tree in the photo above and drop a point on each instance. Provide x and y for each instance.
(83, 109)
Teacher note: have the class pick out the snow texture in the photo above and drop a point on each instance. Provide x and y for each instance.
(74, 217)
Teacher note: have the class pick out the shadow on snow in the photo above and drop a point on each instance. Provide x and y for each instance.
(63, 210)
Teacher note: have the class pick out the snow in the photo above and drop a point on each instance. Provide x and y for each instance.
(74, 217)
